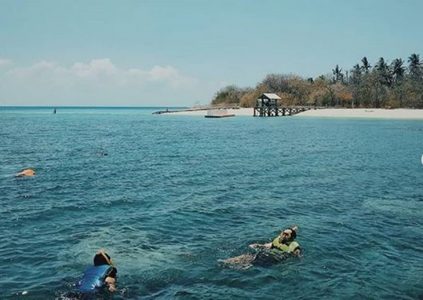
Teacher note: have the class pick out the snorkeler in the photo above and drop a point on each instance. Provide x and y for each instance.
(282, 247)
(102, 274)
(25, 173)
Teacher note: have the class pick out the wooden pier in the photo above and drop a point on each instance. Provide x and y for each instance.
(276, 111)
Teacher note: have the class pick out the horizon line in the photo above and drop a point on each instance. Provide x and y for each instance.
(94, 106)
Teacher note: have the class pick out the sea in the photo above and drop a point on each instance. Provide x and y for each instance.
(170, 196)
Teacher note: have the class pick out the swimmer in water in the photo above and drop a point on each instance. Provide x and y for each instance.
(26, 173)
(282, 247)
(101, 274)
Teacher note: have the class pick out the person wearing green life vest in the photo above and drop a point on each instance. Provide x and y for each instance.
(279, 249)
(284, 242)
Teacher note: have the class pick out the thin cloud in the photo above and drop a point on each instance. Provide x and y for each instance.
(99, 72)
(5, 62)
(97, 82)
(96, 68)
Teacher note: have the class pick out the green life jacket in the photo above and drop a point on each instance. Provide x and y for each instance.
(291, 247)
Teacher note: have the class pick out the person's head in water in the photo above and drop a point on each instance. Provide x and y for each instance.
(288, 235)
(102, 258)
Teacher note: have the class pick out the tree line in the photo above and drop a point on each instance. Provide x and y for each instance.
(392, 84)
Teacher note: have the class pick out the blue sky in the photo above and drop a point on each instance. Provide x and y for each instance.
(181, 52)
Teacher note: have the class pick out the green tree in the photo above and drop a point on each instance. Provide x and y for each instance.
(366, 66)
(398, 70)
(356, 75)
(276, 83)
(229, 95)
(383, 72)
(415, 66)
(338, 76)
(355, 82)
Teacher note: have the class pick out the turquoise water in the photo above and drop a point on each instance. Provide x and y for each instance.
(176, 193)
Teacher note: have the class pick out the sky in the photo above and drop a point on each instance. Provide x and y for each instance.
(181, 52)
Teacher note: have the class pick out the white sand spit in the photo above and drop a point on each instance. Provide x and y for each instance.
(203, 112)
(371, 113)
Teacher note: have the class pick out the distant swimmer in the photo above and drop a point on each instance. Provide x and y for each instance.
(54, 111)
(282, 247)
(25, 173)
(101, 275)
(102, 153)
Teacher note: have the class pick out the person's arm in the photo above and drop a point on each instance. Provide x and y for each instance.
(111, 283)
(297, 252)
(261, 246)
(294, 249)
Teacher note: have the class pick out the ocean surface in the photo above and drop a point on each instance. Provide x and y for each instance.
(168, 196)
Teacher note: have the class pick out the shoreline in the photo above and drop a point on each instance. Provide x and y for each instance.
(363, 113)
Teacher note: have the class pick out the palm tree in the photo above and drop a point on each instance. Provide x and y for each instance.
(356, 74)
(337, 74)
(355, 80)
(414, 66)
(398, 69)
(366, 66)
(383, 72)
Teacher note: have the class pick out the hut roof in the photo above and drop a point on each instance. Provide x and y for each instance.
(270, 96)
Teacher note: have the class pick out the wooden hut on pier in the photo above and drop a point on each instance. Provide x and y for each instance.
(267, 105)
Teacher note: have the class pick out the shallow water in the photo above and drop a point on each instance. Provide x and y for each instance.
(168, 196)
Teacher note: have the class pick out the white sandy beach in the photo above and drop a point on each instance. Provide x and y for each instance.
(203, 112)
(372, 113)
